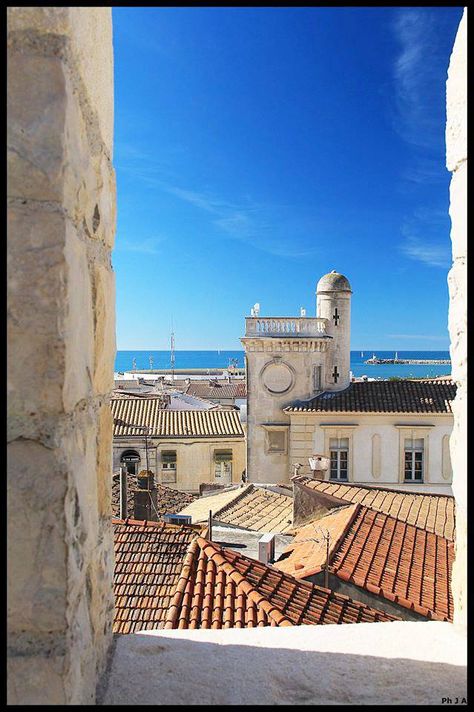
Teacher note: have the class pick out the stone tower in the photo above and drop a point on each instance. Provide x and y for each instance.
(333, 303)
(290, 359)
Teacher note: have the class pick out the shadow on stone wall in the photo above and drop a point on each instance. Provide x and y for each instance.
(149, 669)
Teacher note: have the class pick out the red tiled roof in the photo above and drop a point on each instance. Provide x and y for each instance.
(148, 562)
(427, 396)
(218, 390)
(397, 561)
(132, 414)
(219, 588)
(433, 512)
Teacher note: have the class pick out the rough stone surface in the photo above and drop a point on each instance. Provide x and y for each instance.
(456, 161)
(311, 665)
(61, 321)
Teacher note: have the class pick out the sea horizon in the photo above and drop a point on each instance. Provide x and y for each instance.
(222, 358)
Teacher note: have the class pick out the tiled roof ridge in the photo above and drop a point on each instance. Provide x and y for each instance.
(185, 423)
(243, 493)
(344, 531)
(175, 605)
(302, 584)
(301, 481)
(214, 552)
(360, 485)
(151, 523)
(359, 397)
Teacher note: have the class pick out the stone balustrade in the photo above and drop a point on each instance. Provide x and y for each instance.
(285, 326)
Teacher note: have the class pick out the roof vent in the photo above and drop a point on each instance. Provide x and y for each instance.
(177, 518)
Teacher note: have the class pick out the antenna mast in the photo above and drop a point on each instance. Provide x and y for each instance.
(172, 355)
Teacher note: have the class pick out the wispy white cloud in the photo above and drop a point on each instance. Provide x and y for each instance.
(262, 226)
(422, 238)
(414, 72)
(433, 255)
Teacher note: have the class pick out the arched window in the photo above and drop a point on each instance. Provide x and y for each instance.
(130, 459)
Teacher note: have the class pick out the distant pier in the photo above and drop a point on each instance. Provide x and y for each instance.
(408, 361)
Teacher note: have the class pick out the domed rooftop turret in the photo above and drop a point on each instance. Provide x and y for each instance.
(333, 282)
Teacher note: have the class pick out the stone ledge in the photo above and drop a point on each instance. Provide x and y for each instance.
(297, 665)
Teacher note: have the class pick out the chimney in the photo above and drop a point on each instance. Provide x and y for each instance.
(123, 493)
(266, 548)
(145, 497)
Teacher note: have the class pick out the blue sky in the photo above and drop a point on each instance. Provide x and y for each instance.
(257, 149)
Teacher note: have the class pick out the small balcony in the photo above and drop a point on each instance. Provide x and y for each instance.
(279, 326)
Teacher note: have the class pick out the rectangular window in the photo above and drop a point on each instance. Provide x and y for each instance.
(223, 465)
(413, 460)
(276, 440)
(339, 455)
(317, 379)
(168, 466)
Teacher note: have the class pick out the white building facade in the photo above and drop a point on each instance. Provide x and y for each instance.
(301, 403)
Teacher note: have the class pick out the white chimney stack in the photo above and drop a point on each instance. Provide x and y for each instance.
(266, 548)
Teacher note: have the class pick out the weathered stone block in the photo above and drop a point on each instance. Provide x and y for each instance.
(457, 320)
(456, 100)
(37, 583)
(89, 31)
(104, 337)
(35, 680)
(36, 118)
(78, 331)
(458, 212)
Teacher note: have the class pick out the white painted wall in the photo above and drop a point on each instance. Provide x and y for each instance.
(311, 433)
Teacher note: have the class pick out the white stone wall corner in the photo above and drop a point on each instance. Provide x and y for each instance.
(456, 162)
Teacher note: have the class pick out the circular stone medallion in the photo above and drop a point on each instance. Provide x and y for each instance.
(277, 377)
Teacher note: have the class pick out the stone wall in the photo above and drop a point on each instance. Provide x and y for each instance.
(195, 458)
(456, 162)
(61, 334)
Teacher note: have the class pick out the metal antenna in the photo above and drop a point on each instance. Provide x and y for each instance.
(172, 353)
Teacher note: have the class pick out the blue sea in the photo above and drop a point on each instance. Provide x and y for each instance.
(222, 359)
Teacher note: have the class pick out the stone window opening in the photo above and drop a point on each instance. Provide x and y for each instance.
(223, 465)
(339, 457)
(130, 459)
(169, 466)
(414, 459)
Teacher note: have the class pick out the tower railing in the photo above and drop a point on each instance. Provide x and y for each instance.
(285, 326)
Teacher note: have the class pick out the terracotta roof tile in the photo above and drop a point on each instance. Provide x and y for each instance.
(427, 396)
(306, 555)
(221, 589)
(435, 513)
(204, 389)
(148, 561)
(399, 561)
(258, 509)
(130, 414)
